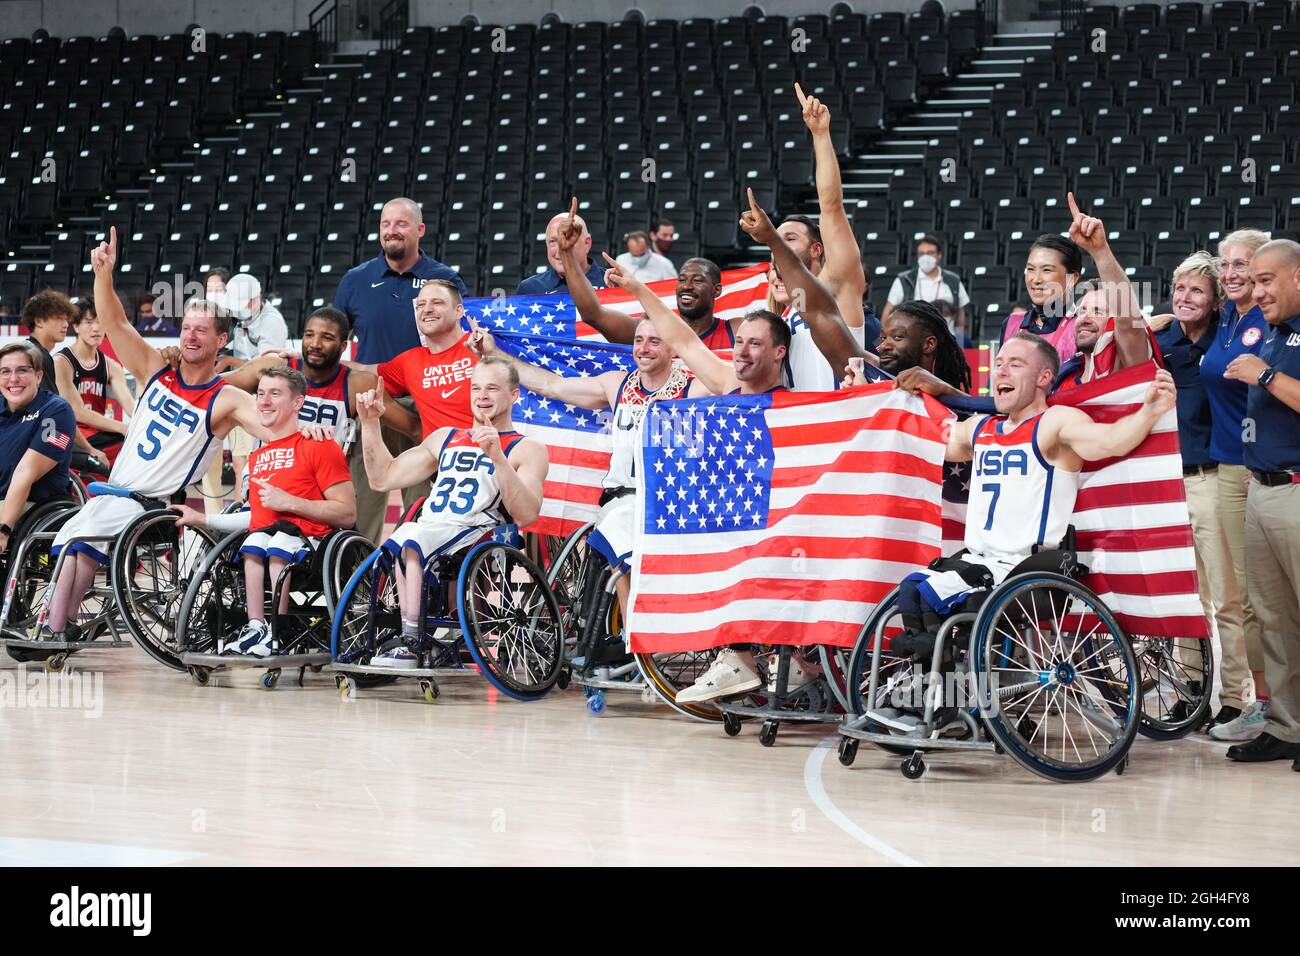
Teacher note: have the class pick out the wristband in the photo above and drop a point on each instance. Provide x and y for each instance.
(5, 530)
(1266, 376)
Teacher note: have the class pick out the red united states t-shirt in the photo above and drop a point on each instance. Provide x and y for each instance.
(438, 381)
(300, 466)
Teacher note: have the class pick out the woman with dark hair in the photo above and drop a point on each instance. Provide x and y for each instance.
(1052, 269)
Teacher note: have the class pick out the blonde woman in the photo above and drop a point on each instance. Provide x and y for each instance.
(1187, 337)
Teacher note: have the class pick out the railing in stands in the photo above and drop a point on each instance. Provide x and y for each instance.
(394, 18)
(1072, 12)
(988, 12)
(324, 22)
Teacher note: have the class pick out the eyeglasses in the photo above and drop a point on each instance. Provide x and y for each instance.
(1236, 265)
(22, 372)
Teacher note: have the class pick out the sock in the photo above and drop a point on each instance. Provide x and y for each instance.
(410, 630)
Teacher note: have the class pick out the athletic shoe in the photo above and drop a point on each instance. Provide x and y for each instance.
(398, 656)
(1243, 728)
(801, 672)
(913, 644)
(250, 635)
(728, 675)
(43, 633)
(1225, 714)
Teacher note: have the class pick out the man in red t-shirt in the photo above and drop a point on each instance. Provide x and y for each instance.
(300, 489)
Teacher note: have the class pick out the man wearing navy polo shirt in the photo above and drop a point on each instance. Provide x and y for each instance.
(378, 297)
(36, 428)
(1272, 441)
(552, 280)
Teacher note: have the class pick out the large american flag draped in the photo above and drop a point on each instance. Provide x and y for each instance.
(781, 518)
(1131, 522)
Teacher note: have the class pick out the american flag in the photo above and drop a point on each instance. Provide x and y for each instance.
(58, 439)
(556, 316)
(577, 439)
(782, 518)
(1131, 522)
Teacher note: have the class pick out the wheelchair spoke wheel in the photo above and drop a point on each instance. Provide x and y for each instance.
(30, 568)
(151, 564)
(1057, 677)
(510, 620)
(569, 563)
(368, 613)
(345, 555)
(666, 674)
(898, 684)
(1177, 679)
(214, 608)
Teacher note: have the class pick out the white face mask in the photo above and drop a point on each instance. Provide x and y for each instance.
(927, 263)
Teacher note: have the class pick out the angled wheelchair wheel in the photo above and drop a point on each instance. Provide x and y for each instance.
(30, 567)
(1177, 679)
(1056, 677)
(150, 565)
(897, 682)
(565, 574)
(344, 553)
(214, 607)
(668, 673)
(510, 620)
(367, 613)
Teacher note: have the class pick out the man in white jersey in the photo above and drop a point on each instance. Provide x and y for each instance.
(655, 379)
(181, 416)
(484, 476)
(1027, 463)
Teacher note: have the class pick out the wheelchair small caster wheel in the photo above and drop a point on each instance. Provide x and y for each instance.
(997, 748)
(648, 696)
(314, 668)
(913, 767)
(1121, 766)
(270, 679)
(767, 735)
(1026, 728)
(429, 690)
(1179, 712)
(731, 724)
(54, 663)
(848, 751)
(596, 702)
(562, 681)
(199, 675)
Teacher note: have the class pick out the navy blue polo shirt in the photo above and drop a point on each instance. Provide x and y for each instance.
(871, 329)
(1182, 358)
(380, 303)
(46, 426)
(1237, 335)
(1277, 425)
(551, 282)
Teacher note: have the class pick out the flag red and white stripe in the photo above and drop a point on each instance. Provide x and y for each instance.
(1131, 521)
(742, 290)
(854, 507)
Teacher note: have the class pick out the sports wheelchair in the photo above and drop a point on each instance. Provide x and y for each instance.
(486, 608)
(1036, 667)
(214, 608)
(822, 698)
(593, 627)
(138, 593)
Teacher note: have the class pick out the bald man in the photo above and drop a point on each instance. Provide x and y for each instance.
(379, 294)
(552, 279)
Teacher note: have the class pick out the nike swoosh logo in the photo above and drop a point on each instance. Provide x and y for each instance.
(375, 285)
(447, 395)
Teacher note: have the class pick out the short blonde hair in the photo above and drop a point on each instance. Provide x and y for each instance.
(1251, 238)
(1201, 263)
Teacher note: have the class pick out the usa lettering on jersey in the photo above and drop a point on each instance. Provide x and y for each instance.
(1002, 461)
(450, 373)
(465, 459)
(173, 412)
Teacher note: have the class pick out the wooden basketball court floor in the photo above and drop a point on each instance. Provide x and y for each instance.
(171, 773)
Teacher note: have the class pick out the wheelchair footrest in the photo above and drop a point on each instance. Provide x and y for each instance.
(370, 670)
(741, 710)
(58, 647)
(597, 683)
(274, 662)
(919, 743)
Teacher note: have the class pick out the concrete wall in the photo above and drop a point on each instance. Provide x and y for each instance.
(95, 17)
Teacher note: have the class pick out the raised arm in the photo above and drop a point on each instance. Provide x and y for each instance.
(718, 375)
(843, 273)
(139, 356)
(247, 375)
(396, 415)
(814, 301)
(611, 323)
(236, 407)
(590, 392)
(383, 471)
(85, 416)
(1074, 431)
(117, 383)
(1131, 336)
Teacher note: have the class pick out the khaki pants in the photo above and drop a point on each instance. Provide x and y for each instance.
(372, 506)
(1234, 483)
(1220, 594)
(1273, 575)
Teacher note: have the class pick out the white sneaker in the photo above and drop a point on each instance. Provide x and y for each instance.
(250, 635)
(399, 656)
(1246, 727)
(801, 672)
(728, 675)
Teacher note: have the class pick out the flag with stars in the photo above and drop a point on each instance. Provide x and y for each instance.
(557, 317)
(782, 518)
(577, 439)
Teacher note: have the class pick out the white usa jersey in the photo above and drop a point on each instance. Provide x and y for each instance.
(1018, 500)
(629, 412)
(169, 442)
(328, 404)
(806, 368)
(465, 490)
